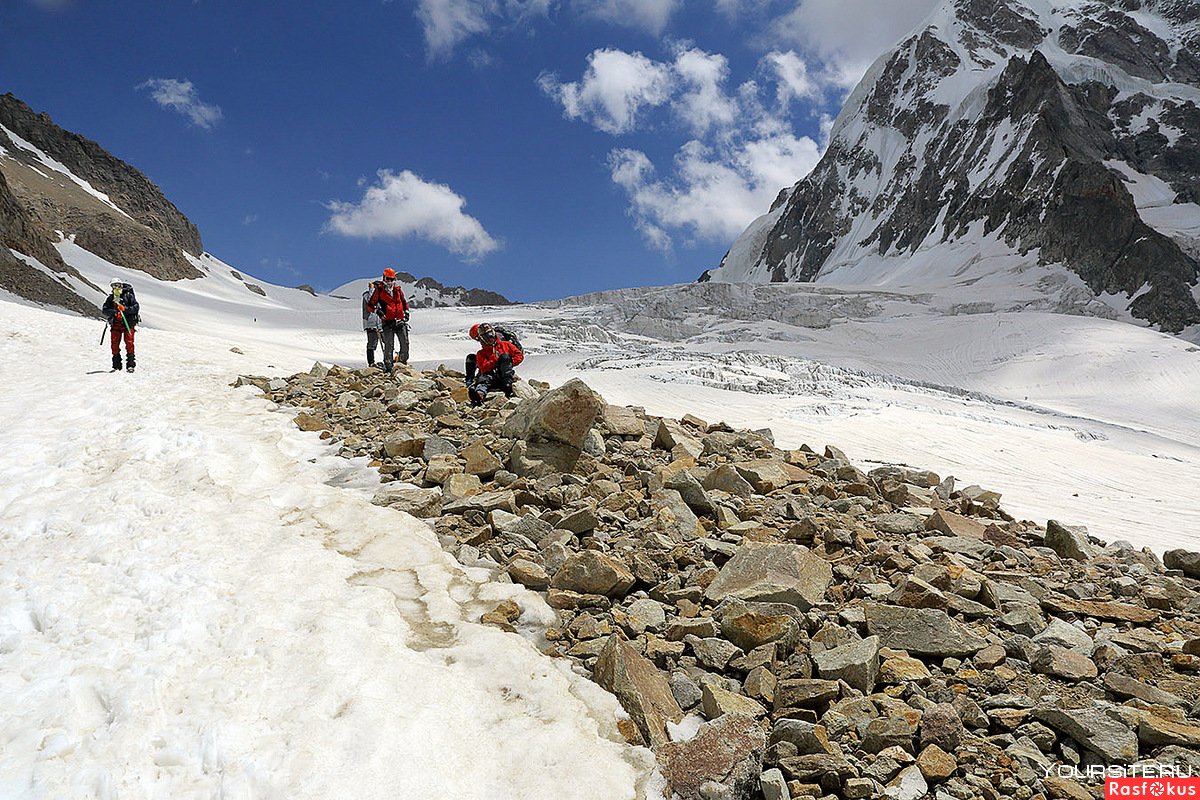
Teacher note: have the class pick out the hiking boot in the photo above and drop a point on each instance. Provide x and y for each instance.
(116, 363)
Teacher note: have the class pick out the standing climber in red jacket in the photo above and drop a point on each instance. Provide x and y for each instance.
(389, 303)
(494, 364)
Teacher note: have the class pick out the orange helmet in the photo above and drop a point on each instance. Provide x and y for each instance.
(389, 273)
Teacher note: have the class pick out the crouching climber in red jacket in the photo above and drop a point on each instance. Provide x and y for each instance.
(494, 364)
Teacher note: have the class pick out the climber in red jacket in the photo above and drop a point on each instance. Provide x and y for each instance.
(494, 364)
(389, 303)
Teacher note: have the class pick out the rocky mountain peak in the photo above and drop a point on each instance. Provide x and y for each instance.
(1056, 142)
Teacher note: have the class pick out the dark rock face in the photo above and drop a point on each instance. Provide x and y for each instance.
(1030, 164)
(151, 235)
(466, 297)
(129, 189)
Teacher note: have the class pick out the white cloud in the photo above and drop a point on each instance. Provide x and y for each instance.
(614, 88)
(447, 23)
(847, 35)
(715, 192)
(650, 16)
(703, 104)
(791, 74)
(181, 96)
(403, 205)
(740, 151)
(250, 219)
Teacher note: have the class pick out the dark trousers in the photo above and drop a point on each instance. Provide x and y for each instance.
(398, 330)
(372, 343)
(500, 379)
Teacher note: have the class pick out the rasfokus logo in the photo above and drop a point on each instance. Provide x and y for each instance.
(1151, 788)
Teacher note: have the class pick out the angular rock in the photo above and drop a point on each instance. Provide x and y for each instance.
(1069, 541)
(856, 663)
(765, 475)
(486, 502)
(716, 702)
(727, 751)
(941, 725)
(1093, 728)
(563, 415)
(783, 573)
(593, 572)
(1125, 686)
(690, 491)
(923, 631)
(952, 524)
(480, 460)
(623, 421)
(1119, 612)
(641, 689)
(1185, 560)
(807, 737)
(908, 785)
(936, 764)
(726, 478)
(887, 732)
(411, 500)
(1156, 731)
(804, 692)
(529, 574)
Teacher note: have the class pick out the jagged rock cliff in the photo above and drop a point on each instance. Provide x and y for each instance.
(52, 182)
(1001, 136)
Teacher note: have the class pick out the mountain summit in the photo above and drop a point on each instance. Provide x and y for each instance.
(1004, 141)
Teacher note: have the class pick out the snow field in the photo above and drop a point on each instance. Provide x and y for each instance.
(197, 600)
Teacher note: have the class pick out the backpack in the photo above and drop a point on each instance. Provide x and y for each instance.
(129, 300)
(506, 335)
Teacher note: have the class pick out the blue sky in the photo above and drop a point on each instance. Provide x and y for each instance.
(539, 148)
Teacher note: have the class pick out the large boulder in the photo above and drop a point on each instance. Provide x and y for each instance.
(921, 631)
(641, 689)
(727, 752)
(782, 573)
(563, 415)
(1185, 560)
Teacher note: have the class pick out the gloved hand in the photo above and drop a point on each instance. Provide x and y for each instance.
(120, 308)
(406, 315)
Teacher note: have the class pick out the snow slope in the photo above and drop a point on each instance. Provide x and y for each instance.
(198, 600)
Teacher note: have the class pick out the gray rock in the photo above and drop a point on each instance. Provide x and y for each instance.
(857, 663)
(887, 732)
(411, 500)
(1185, 560)
(486, 502)
(785, 573)
(773, 786)
(900, 523)
(563, 415)
(1093, 728)
(690, 491)
(1066, 635)
(1069, 541)
(921, 631)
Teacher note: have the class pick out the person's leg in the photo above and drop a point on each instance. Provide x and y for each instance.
(389, 331)
(372, 343)
(470, 367)
(505, 375)
(480, 388)
(402, 334)
(130, 359)
(114, 337)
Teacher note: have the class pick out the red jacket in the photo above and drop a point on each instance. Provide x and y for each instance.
(487, 358)
(395, 306)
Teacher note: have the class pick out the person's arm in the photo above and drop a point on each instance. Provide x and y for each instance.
(515, 353)
(109, 309)
(374, 301)
(403, 303)
(132, 310)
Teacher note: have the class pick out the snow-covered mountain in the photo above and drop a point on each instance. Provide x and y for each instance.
(1052, 146)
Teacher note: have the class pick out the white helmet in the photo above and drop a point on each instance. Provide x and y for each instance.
(116, 282)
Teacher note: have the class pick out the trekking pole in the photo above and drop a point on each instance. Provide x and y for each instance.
(103, 332)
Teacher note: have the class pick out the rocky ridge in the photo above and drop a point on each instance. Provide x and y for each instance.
(835, 633)
(1039, 130)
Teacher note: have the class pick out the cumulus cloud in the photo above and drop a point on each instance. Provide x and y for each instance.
(400, 206)
(703, 103)
(740, 148)
(446, 23)
(650, 16)
(715, 192)
(181, 96)
(615, 87)
(846, 36)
